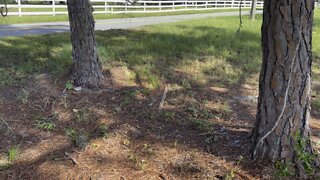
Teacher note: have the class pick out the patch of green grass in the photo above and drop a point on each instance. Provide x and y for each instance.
(81, 115)
(46, 126)
(200, 124)
(103, 130)
(283, 170)
(57, 18)
(23, 96)
(47, 123)
(306, 158)
(189, 53)
(69, 85)
(13, 153)
(80, 139)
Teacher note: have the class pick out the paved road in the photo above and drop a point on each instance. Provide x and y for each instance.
(121, 23)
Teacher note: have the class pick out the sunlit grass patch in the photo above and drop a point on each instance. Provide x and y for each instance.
(204, 51)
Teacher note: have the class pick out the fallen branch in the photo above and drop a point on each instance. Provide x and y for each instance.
(163, 98)
(9, 129)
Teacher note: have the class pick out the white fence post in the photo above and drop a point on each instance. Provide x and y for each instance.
(19, 4)
(206, 4)
(159, 5)
(126, 8)
(144, 6)
(53, 7)
(173, 5)
(232, 3)
(105, 7)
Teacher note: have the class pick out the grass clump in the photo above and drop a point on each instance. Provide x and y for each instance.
(283, 170)
(23, 96)
(47, 123)
(80, 139)
(13, 153)
(307, 158)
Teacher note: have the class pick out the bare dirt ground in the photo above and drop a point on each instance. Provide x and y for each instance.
(120, 133)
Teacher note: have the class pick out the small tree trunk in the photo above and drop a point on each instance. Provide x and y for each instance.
(285, 81)
(86, 65)
(253, 10)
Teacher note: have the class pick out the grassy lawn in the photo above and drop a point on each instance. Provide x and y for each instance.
(47, 18)
(200, 134)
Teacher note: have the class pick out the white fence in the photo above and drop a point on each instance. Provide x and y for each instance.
(20, 8)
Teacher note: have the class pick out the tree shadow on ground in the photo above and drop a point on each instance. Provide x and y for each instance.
(200, 118)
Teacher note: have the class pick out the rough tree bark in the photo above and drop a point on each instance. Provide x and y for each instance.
(285, 78)
(253, 10)
(86, 68)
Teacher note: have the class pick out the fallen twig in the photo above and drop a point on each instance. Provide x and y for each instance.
(72, 158)
(6, 124)
(163, 98)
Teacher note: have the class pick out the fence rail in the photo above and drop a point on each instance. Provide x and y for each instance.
(122, 6)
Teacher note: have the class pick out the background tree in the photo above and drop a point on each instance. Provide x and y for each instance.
(281, 132)
(253, 10)
(86, 67)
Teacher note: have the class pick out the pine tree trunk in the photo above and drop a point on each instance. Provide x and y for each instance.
(86, 65)
(253, 10)
(285, 80)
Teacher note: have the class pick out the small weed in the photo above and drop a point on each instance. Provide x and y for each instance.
(23, 96)
(69, 85)
(81, 115)
(126, 142)
(232, 174)
(205, 102)
(138, 164)
(5, 165)
(304, 156)
(207, 114)
(153, 81)
(64, 101)
(103, 131)
(169, 115)
(185, 83)
(200, 124)
(193, 110)
(80, 139)
(71, 133)
(94, 145)
(45, 126)
(225, 108)
(13, 153)
(283, 169)
(316, 102)
(4, 162)
(146, 149)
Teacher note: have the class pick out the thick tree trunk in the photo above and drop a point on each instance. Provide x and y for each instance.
(86, 65)
(253, 10)
(285, 80)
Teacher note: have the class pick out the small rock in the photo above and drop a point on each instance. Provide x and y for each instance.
(118, 109)
(236, 143)
(134, 132)
(77, 88)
